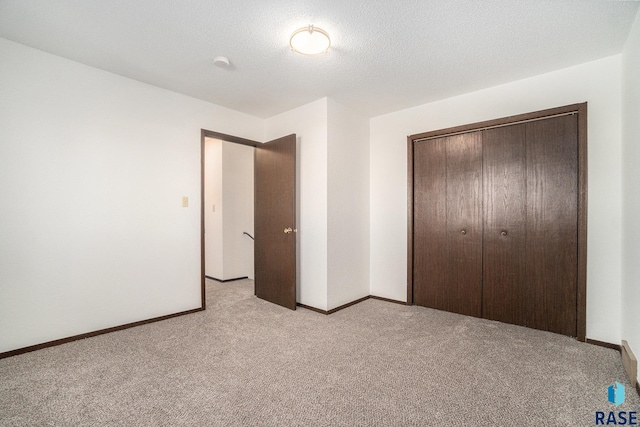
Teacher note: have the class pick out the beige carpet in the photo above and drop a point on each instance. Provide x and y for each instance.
(247, 362)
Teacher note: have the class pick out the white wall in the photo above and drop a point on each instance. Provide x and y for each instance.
(631, 193)
(309, 123)
(213, 236)
(93, 167)
(596, 82)
(347, 205)
(237, 210)
(333, 195)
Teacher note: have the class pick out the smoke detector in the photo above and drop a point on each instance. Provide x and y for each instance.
(221, 62)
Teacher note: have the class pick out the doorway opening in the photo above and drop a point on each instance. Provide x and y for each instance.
(256, 236)
(238, 154)
(229, 210)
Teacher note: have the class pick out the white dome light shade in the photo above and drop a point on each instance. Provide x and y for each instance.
(310, 41)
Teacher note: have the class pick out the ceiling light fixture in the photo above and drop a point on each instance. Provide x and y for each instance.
(310, 41)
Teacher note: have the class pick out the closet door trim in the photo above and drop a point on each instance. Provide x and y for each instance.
(581, 111)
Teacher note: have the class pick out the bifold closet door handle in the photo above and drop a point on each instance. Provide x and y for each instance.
(463, 232)
(503, 233)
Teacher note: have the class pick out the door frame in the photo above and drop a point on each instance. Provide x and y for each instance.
(204, 133)
(581, 111)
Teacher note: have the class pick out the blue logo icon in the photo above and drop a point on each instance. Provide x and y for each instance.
(616, 394)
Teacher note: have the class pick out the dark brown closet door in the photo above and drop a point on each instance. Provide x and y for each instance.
(552, 224)
(498, 220)
(447, 272)
(505, 232)
(430, 264)
(530, 187)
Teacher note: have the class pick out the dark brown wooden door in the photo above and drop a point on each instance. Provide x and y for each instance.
(531, 224)
(505, 226)
(275, 221)
(552, 224)
(447, 269)
(495, 223)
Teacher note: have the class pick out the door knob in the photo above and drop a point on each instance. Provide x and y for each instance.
(463, 232)
(503, 233)
(288, 230)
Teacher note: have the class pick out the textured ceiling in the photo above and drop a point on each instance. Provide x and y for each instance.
(386, 55)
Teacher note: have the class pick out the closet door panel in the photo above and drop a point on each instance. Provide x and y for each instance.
(552, 191)
(430, 262)
(447, 269)
(464, 223)
(504, 258)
